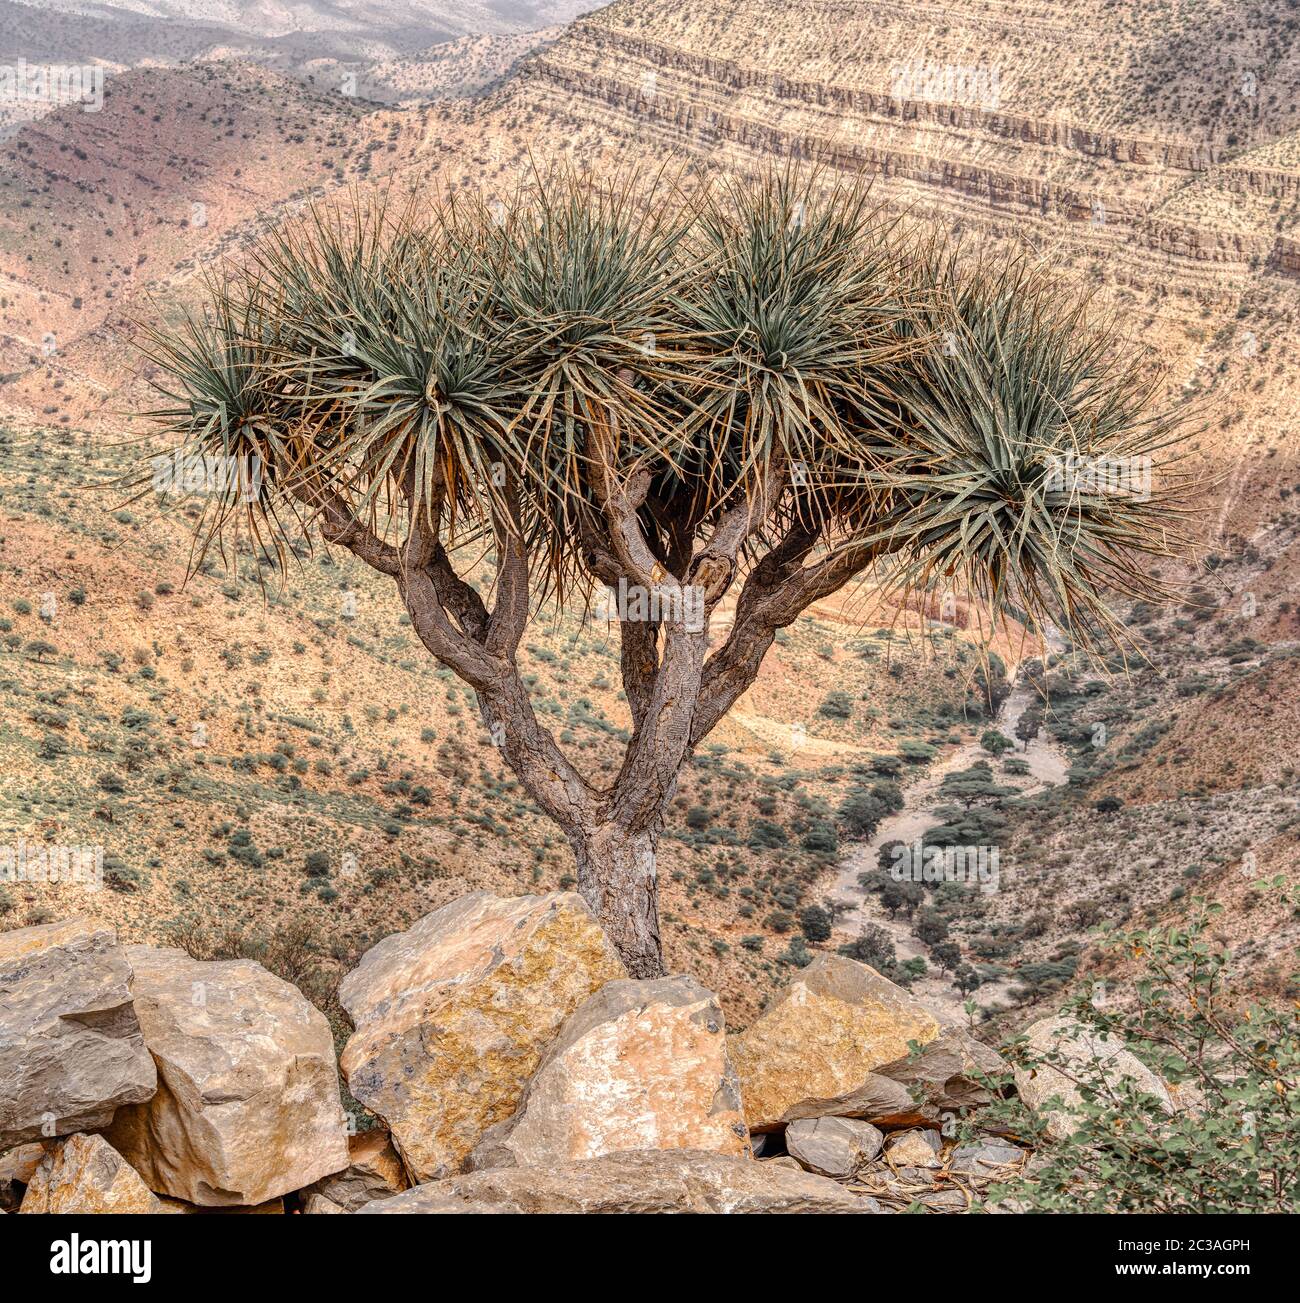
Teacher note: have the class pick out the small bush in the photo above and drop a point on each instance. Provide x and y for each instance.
(1186, 1021)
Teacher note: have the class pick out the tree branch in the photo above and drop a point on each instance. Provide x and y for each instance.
(509, 618)
(338, 525)
(774, 594)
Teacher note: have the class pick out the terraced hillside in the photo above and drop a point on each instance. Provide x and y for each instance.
(1150, 152)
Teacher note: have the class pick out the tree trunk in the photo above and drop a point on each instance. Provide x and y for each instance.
(617, 879)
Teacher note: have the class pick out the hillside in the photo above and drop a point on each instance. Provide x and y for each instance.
(1158, 166)
(291, 38)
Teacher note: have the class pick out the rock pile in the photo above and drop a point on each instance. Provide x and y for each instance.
(247, 1106)
(513, 1065)
(835, 1044)
(638, 1065)
(71, 1049)
(637, 1181)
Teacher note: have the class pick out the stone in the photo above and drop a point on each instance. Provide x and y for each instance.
(832, 1146)
(947, 1073)
(168, 1205)
(85, 1174)
(944, 1201)
(374, 1171)
(815, 1051)
(71, 1050)
(16, 1168)
(915, 1148)
(19, 1163)
(319, 1204)
(1187, 1097)
(453, 1016)
(635, 1181)
(984, 1160)
(248, 1104)
(898, 1188)
(1084, 1051)
(638, 1065)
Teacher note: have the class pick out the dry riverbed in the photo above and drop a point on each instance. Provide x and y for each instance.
(1047, 768)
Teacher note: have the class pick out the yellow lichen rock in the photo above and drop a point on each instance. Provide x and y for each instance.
(639, 1065)
(816, 1051)
(85, 1174)
(248, 1106)
(454, 1014)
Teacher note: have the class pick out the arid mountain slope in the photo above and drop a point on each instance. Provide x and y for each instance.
(1159, 165)
(1150, 150)
(133, 32)
(1152, 153)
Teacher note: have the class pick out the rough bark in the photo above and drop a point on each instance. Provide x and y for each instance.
(617, 878)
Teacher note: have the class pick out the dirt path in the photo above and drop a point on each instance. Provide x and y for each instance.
(1047, 768)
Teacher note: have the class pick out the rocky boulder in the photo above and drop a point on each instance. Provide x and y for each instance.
(274, 1207)
(835, 1044)
(85, 1174)
(948, 1073)
(647, 1181)
(71, 1051)
(317, 1205)
(248, 1104)
(453, 1016)
(19, 1163)
(914, 1148)
(638, 1065)
(374, 1171)
(1084, 1052)
(986, 1159)
(16, 1168)
(832, 1146)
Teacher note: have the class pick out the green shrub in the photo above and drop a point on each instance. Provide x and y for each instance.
(316, 864)
(766, 835)
(122, 877)
(815, 921)
(821, 839)
(1239, 1152)
(994, 742)
(698, 817)
(796, 954)
(838, 705)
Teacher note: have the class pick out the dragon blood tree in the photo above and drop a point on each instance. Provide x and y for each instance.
(760, 392)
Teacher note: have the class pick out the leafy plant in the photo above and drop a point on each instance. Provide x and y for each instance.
(1233, 1142)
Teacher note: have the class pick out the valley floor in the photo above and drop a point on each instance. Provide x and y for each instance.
(1047, 768)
